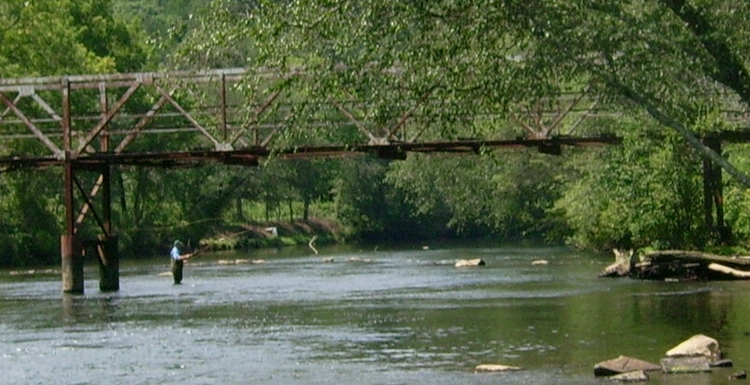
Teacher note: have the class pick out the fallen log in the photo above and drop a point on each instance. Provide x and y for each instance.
(697, 256)
(690, 265)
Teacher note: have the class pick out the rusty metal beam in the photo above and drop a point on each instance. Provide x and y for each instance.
(107, 118)
(133, 134)
(92, 81)
(189, 117)
(256, 116)
(56, 151)
(251, 154)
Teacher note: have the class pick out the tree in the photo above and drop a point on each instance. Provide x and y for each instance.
(647, 192)
(675, 59)
(46, 38)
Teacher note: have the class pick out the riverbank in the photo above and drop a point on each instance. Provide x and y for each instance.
(314, 231)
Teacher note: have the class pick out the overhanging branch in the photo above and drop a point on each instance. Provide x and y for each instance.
(668, 121)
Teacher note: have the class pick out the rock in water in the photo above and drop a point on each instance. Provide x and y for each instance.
(470, 262)
(697, 345)
(636, 376)
(495, 368)
(623, 364)
(683, 364)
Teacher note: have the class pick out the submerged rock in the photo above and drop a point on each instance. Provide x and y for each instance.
(738, 376)
(695, 364)
(722, 364)
(636, 376)
(623, 364)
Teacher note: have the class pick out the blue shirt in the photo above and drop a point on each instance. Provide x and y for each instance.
(175, 253)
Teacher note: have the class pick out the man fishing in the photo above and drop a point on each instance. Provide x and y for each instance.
(178, 260)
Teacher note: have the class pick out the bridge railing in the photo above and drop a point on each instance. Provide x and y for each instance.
(231, 115)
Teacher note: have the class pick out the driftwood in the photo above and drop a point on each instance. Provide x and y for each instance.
(690, 265)
(728, 270)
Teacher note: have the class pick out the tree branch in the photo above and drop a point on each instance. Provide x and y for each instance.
(728, 68)
(668, 121)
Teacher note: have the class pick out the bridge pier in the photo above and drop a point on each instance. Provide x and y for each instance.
(73, 247)
(72, 264)
(713, 194)
(109, 263)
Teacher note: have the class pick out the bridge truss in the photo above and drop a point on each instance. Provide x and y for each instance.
(94, 122)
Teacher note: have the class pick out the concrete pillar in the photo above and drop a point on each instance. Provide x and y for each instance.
(109, 263)
(72, 264)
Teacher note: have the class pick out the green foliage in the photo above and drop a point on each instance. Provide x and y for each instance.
(647, 192)
(408, 71)
(507, 194)
(370, 209)
(50, 37)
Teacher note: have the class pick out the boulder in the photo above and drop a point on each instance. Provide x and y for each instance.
(470, 262)
(694, 364)
(495, 368)
(697, 345)
(636, 376)
(623, 364)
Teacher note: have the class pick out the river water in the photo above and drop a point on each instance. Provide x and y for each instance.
(379, 316)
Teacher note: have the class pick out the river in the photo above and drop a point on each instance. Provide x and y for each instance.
(378, 316)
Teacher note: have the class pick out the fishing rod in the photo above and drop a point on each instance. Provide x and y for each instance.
(199, 251)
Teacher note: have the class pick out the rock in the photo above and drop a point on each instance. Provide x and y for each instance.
(738, 376)
(697, 345)
(470, 262)
(721, 364)
(684, 364)
(328, 260)
(540, 262)
(636, 376)
(622, 365)
(495, 368)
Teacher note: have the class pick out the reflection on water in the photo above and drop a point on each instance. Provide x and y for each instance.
(372, 317)
(79, 309)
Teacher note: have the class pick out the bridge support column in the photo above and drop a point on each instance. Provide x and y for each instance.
(713, 195)
(109, 263)
(72, 264)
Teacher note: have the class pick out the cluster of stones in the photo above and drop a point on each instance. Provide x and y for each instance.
(697, 354)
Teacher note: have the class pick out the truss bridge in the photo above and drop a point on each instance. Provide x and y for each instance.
(232, 116)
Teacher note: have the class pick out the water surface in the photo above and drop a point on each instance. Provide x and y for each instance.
(401, 316)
